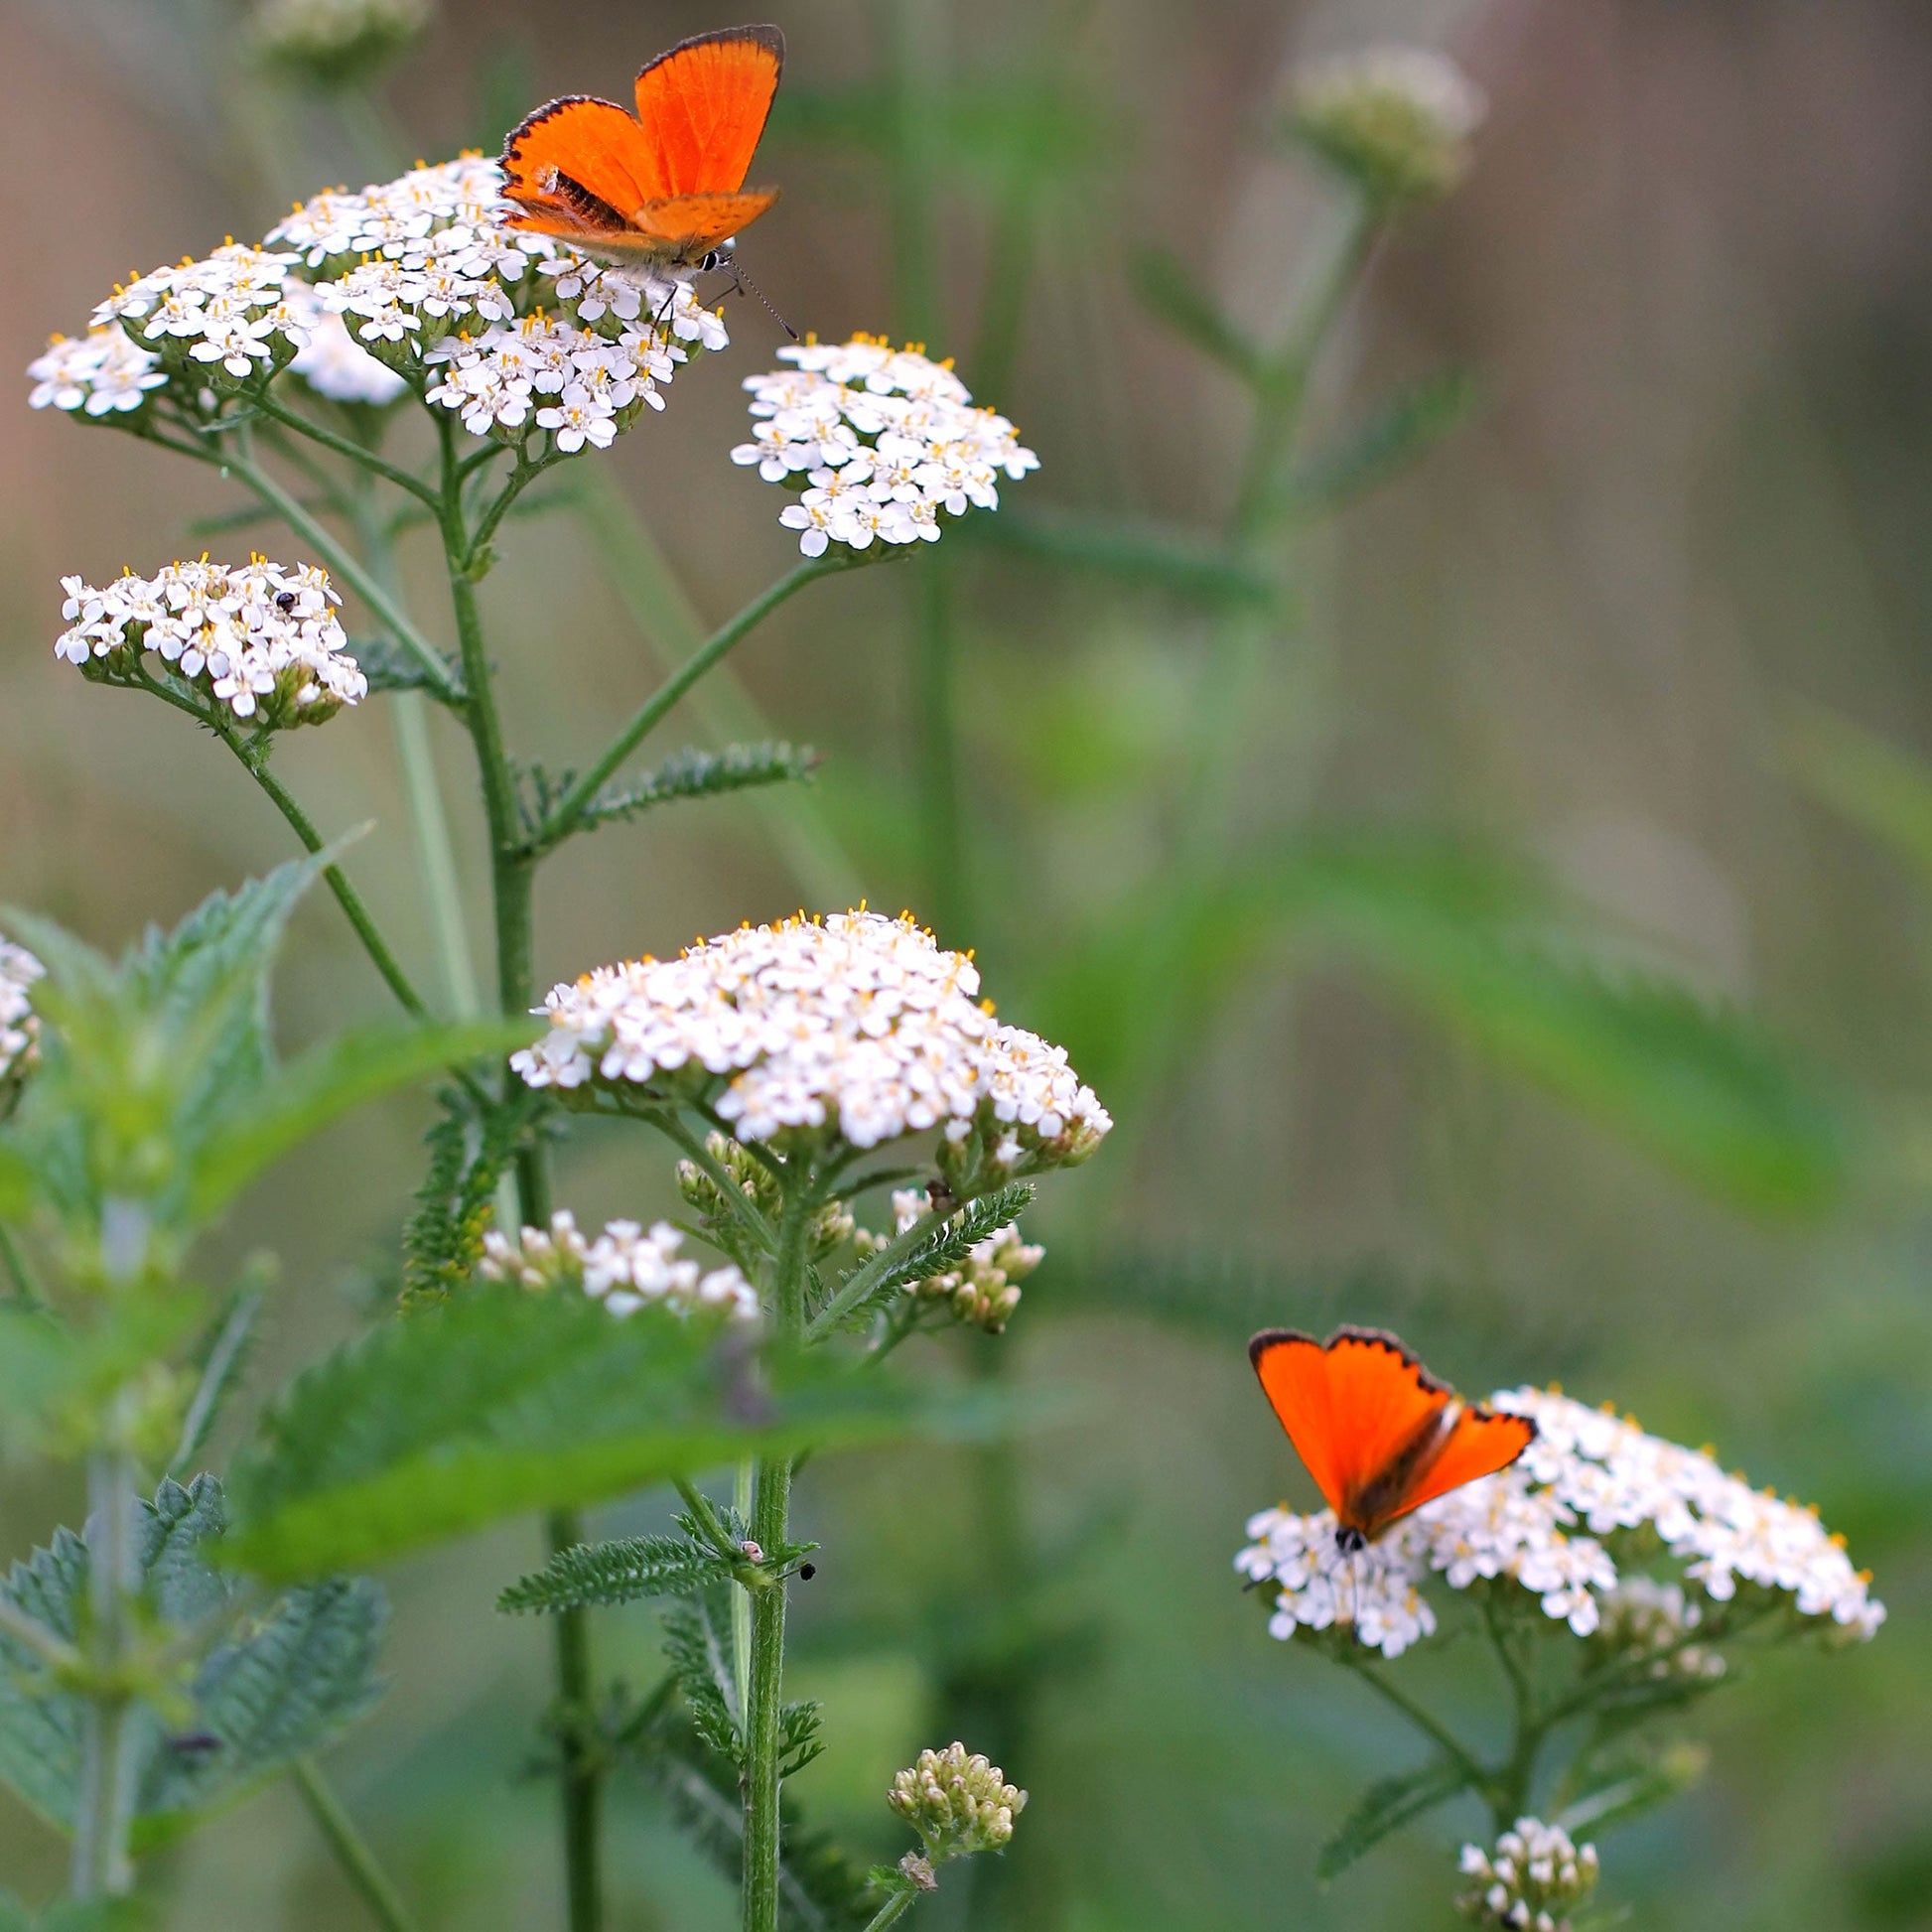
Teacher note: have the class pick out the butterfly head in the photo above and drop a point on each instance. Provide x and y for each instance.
(1349, 1540)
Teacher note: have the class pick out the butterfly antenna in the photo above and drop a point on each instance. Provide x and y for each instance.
(741, 282)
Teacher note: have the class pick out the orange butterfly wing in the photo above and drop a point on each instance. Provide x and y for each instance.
(1482, 1442)
(702, 107)
(689, 226)
(578, 166)
(1356, 1404)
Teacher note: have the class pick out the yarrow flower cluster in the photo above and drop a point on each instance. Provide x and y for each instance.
(415, 283)
(984, 1289)
(627, 1267)
(1556, 1522)
(884, 440)
(1531, 1882)
(262, 640)
(857, 1025)
(1397, 120)
(20, 1026)
(958, 1804)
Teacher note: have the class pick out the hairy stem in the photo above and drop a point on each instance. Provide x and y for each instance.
(771, 1524)
(352, 1850)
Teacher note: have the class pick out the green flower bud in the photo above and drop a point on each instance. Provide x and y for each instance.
(1397, 121)
(958, 1805)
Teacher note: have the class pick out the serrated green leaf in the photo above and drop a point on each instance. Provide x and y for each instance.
(333, 1080)
(699, 1647)
(951, 1242)
(1173, 292)
(1396, 435)
(280, 1683)
(704, 775)
(505, 1401)
(390, 667)
(1386, 1806)
(1476, 941)
(619, 1572)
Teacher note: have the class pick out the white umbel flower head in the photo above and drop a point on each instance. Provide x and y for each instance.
(1572, 1521)
(1397, 120)
(100, 374)
(627, 1267)
(20, 1026)
(259, 639)
(225, 320)
(333, 362)
(882, 439)
(854, 1026)
(1531, 1882)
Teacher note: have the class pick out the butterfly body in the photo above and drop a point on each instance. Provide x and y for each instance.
(1378, 1433)
(664, 187)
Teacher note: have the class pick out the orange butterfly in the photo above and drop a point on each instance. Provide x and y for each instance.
(1378, 1433)
(667, 188)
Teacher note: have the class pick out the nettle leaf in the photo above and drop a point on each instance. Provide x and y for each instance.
(281, 1683)
(1385, 1807)
(1397, 435)
(505, 1401)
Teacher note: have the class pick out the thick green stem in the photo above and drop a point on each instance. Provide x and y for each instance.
(770, 1526)
(571, 808)
(352, 1850)
(894, 1909)
(103, 1862)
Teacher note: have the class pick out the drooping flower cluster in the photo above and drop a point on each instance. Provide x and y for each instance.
(263, 642)
(1531, 1882)
(1397, 120)
(412, 284)
(1560, 1522)
(627, 1267)
(857, 1025)
(20, 1026)
(958, 1804)
(884, 440)
(101, 373)
(984, 1289)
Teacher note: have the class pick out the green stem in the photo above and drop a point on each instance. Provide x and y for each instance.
(571, 808)
(346, 897)
(583, 1786)
(744, 1499)
(519, 480)
(771, 1524)
(1431, 1727)
(894, 1909)
(104, 1863)
(359, 454)
(352, 1850)
(18, 1273)
(427, 819)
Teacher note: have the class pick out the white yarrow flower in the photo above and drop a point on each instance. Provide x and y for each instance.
(1529, 1880)
(627, 1267)
(19, 1025)
(856, 1025)
(261, 639)
(100, 374)
(885, 437)
(1555, 1522)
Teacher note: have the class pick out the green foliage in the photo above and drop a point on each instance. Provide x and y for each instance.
(946, 1246)
(1153, 555)
(1171, 291)
(219, 1363)
(698, 1646)
(1398, 434)
(506, 1401)
(472, 1149)
(1478, 943)
(633, 1567)
(1385, 1807)
(687, 774)
(280, 1683)
(390, 667)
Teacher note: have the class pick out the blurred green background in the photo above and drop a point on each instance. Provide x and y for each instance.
(1595, 629)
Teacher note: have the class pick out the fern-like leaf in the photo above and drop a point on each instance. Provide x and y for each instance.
(698, 1646)
(618, 1571)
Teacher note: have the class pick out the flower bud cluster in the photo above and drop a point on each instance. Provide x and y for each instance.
(20, 1026)
(334, 43)
(627, 1267)
(1531, 1881)
(1397, 121)
(263, 642)
(854, 1028)
(984, 1289)
(1643, 1619)
(958, 1805)
(885, 439)
(830, 1228)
